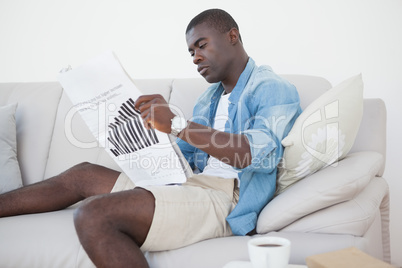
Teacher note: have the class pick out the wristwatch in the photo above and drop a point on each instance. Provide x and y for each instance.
(178, 124)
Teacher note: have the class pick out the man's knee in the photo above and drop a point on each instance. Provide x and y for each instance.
(78, 169)
(83, 166)
(88, 179)
(88, 214)
(131, 213)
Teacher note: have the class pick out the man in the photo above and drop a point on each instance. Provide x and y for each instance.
(233, 139)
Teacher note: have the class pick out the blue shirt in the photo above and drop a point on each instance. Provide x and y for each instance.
(264, 107)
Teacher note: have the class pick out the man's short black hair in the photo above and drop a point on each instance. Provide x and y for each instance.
(215, 18)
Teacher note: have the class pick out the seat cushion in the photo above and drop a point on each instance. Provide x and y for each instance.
(41, 240)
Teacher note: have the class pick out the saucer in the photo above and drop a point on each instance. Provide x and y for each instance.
(247, 264)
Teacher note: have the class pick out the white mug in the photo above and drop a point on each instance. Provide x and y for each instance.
(269, 252)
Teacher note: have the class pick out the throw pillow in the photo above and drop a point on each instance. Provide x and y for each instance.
(10, 174)
(323, 134)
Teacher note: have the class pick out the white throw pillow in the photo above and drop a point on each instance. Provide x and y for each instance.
(323, 134)
(10, 174)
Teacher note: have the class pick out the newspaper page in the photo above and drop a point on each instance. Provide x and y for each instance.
(103, 94)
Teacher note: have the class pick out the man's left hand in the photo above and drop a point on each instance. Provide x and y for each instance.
(155, 112)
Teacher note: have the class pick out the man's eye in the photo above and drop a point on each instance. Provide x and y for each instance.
(203, 45)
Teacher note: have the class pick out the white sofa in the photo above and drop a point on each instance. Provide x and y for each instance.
(359, 217)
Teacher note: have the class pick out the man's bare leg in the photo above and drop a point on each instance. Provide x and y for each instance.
(59, 192)
(112, 227)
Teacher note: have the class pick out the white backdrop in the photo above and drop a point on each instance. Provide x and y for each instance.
(333, 39)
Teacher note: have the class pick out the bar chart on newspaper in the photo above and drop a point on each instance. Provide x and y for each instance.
(104, 95)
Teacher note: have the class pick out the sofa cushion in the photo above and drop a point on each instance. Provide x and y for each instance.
(184, 95)
(309, 87)
(323, 134)
(72, 141)
(43, 240)
(35, 116)
(10, 174)
(329, 186)
(352, 217)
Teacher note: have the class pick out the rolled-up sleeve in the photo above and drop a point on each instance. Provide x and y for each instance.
(274, 115)
(262, 148)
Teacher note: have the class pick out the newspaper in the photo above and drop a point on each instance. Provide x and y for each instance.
(103, 94)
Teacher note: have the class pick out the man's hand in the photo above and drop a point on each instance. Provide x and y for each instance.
(155, 112)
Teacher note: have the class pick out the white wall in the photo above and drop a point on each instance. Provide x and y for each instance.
(333, 39)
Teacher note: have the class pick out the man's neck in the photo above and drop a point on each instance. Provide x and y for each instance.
(230, 83)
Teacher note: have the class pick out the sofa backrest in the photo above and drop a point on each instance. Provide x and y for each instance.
(49, 142)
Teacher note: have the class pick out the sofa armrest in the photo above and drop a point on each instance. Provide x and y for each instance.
(329, 186)
(352, 217)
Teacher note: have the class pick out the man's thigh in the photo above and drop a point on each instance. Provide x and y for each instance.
(189, 213)
(87, 179)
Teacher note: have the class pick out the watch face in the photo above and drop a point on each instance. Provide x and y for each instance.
(178, 124)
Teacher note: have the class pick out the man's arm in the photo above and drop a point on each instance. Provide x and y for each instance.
(232, 149)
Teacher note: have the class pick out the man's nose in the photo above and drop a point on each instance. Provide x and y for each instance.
(197, 58)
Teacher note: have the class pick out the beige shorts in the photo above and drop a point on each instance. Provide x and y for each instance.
(187, 213)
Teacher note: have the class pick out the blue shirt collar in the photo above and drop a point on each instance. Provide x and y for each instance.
(240, 85)
(242, 82)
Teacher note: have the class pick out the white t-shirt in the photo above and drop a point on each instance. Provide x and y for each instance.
(214, 166)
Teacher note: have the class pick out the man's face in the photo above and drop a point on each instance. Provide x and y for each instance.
(211, 52)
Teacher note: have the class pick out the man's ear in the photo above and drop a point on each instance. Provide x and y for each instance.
(234, 36)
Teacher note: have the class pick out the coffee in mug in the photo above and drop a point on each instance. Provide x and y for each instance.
(269, 245)
(269, 252)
